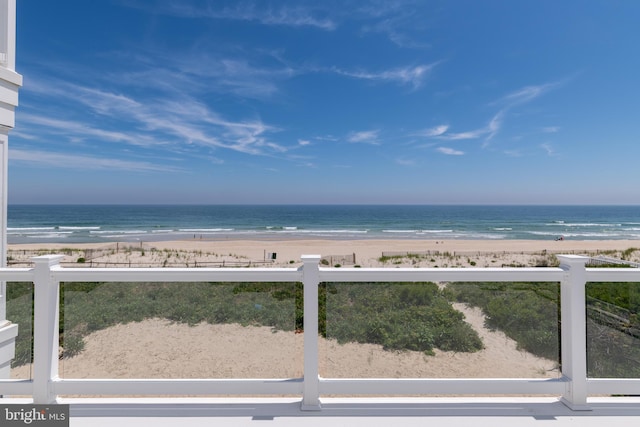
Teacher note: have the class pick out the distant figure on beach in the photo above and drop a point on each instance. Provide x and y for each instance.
(560, 238)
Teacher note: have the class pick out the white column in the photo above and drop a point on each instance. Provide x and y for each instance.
(45, 328)
(10, 82)
(8, 331)
(4, 141)
(8, 34)
(574, 331)
(310, 281)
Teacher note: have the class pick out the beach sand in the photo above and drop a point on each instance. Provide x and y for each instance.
(157, 348)
(367, 253)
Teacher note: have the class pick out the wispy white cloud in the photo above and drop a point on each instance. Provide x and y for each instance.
(365, 137)
(77, 131)
(238, 76)
(84, 162)
(493, 127)
(171, 121)
(413, 76)
(253, 75)
(432, 132)
(304, 142)
(450, 151)
(548, 148)
(526, 94)
(399, 20)
(457, 136)
(261, 12)
(487, 131)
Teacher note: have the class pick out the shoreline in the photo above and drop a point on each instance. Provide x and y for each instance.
(472, 244)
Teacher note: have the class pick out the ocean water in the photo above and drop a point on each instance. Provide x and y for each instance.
(134, 223)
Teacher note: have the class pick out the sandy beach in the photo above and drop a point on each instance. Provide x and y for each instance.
(279, 253)
(157, 348)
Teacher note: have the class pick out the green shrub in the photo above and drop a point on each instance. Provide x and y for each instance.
(414, 316)
(526, 312)
(398, 316)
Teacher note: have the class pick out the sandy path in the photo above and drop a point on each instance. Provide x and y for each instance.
(157, 348)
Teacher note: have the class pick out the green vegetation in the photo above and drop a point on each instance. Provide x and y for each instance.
(609, 265)
(414, 316)
(626, 254)
(526, 312)
(88, 307)
(613, 330)
(396, 316)
(547, 260)
(20, 311)
(529, 314)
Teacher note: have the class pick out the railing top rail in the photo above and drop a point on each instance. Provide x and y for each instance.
(177, 274)
(441, 274)
(326, 274)
(16, 274)
(613, 275)
(291, 274)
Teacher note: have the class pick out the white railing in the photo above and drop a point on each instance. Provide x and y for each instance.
(7, 30)
(573, 386)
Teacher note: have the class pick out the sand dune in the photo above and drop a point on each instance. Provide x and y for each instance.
(367, 253)
(157, 348)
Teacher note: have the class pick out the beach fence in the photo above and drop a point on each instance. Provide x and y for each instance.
(604, 260)
(573, 385)
(338, 260)
(438, 253)
(133, 255)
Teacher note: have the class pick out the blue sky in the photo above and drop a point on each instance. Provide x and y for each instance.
(269, 102)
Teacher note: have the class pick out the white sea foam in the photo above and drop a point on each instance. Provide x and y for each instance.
(118, 232)
(593, 234)
(205, 230)
(20, 229)
(298, 231)
(56, 235)
(64, 227)
(586, 224)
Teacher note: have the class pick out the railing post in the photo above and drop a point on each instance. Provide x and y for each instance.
(45, 328)
(574, 331)
(310, 282)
